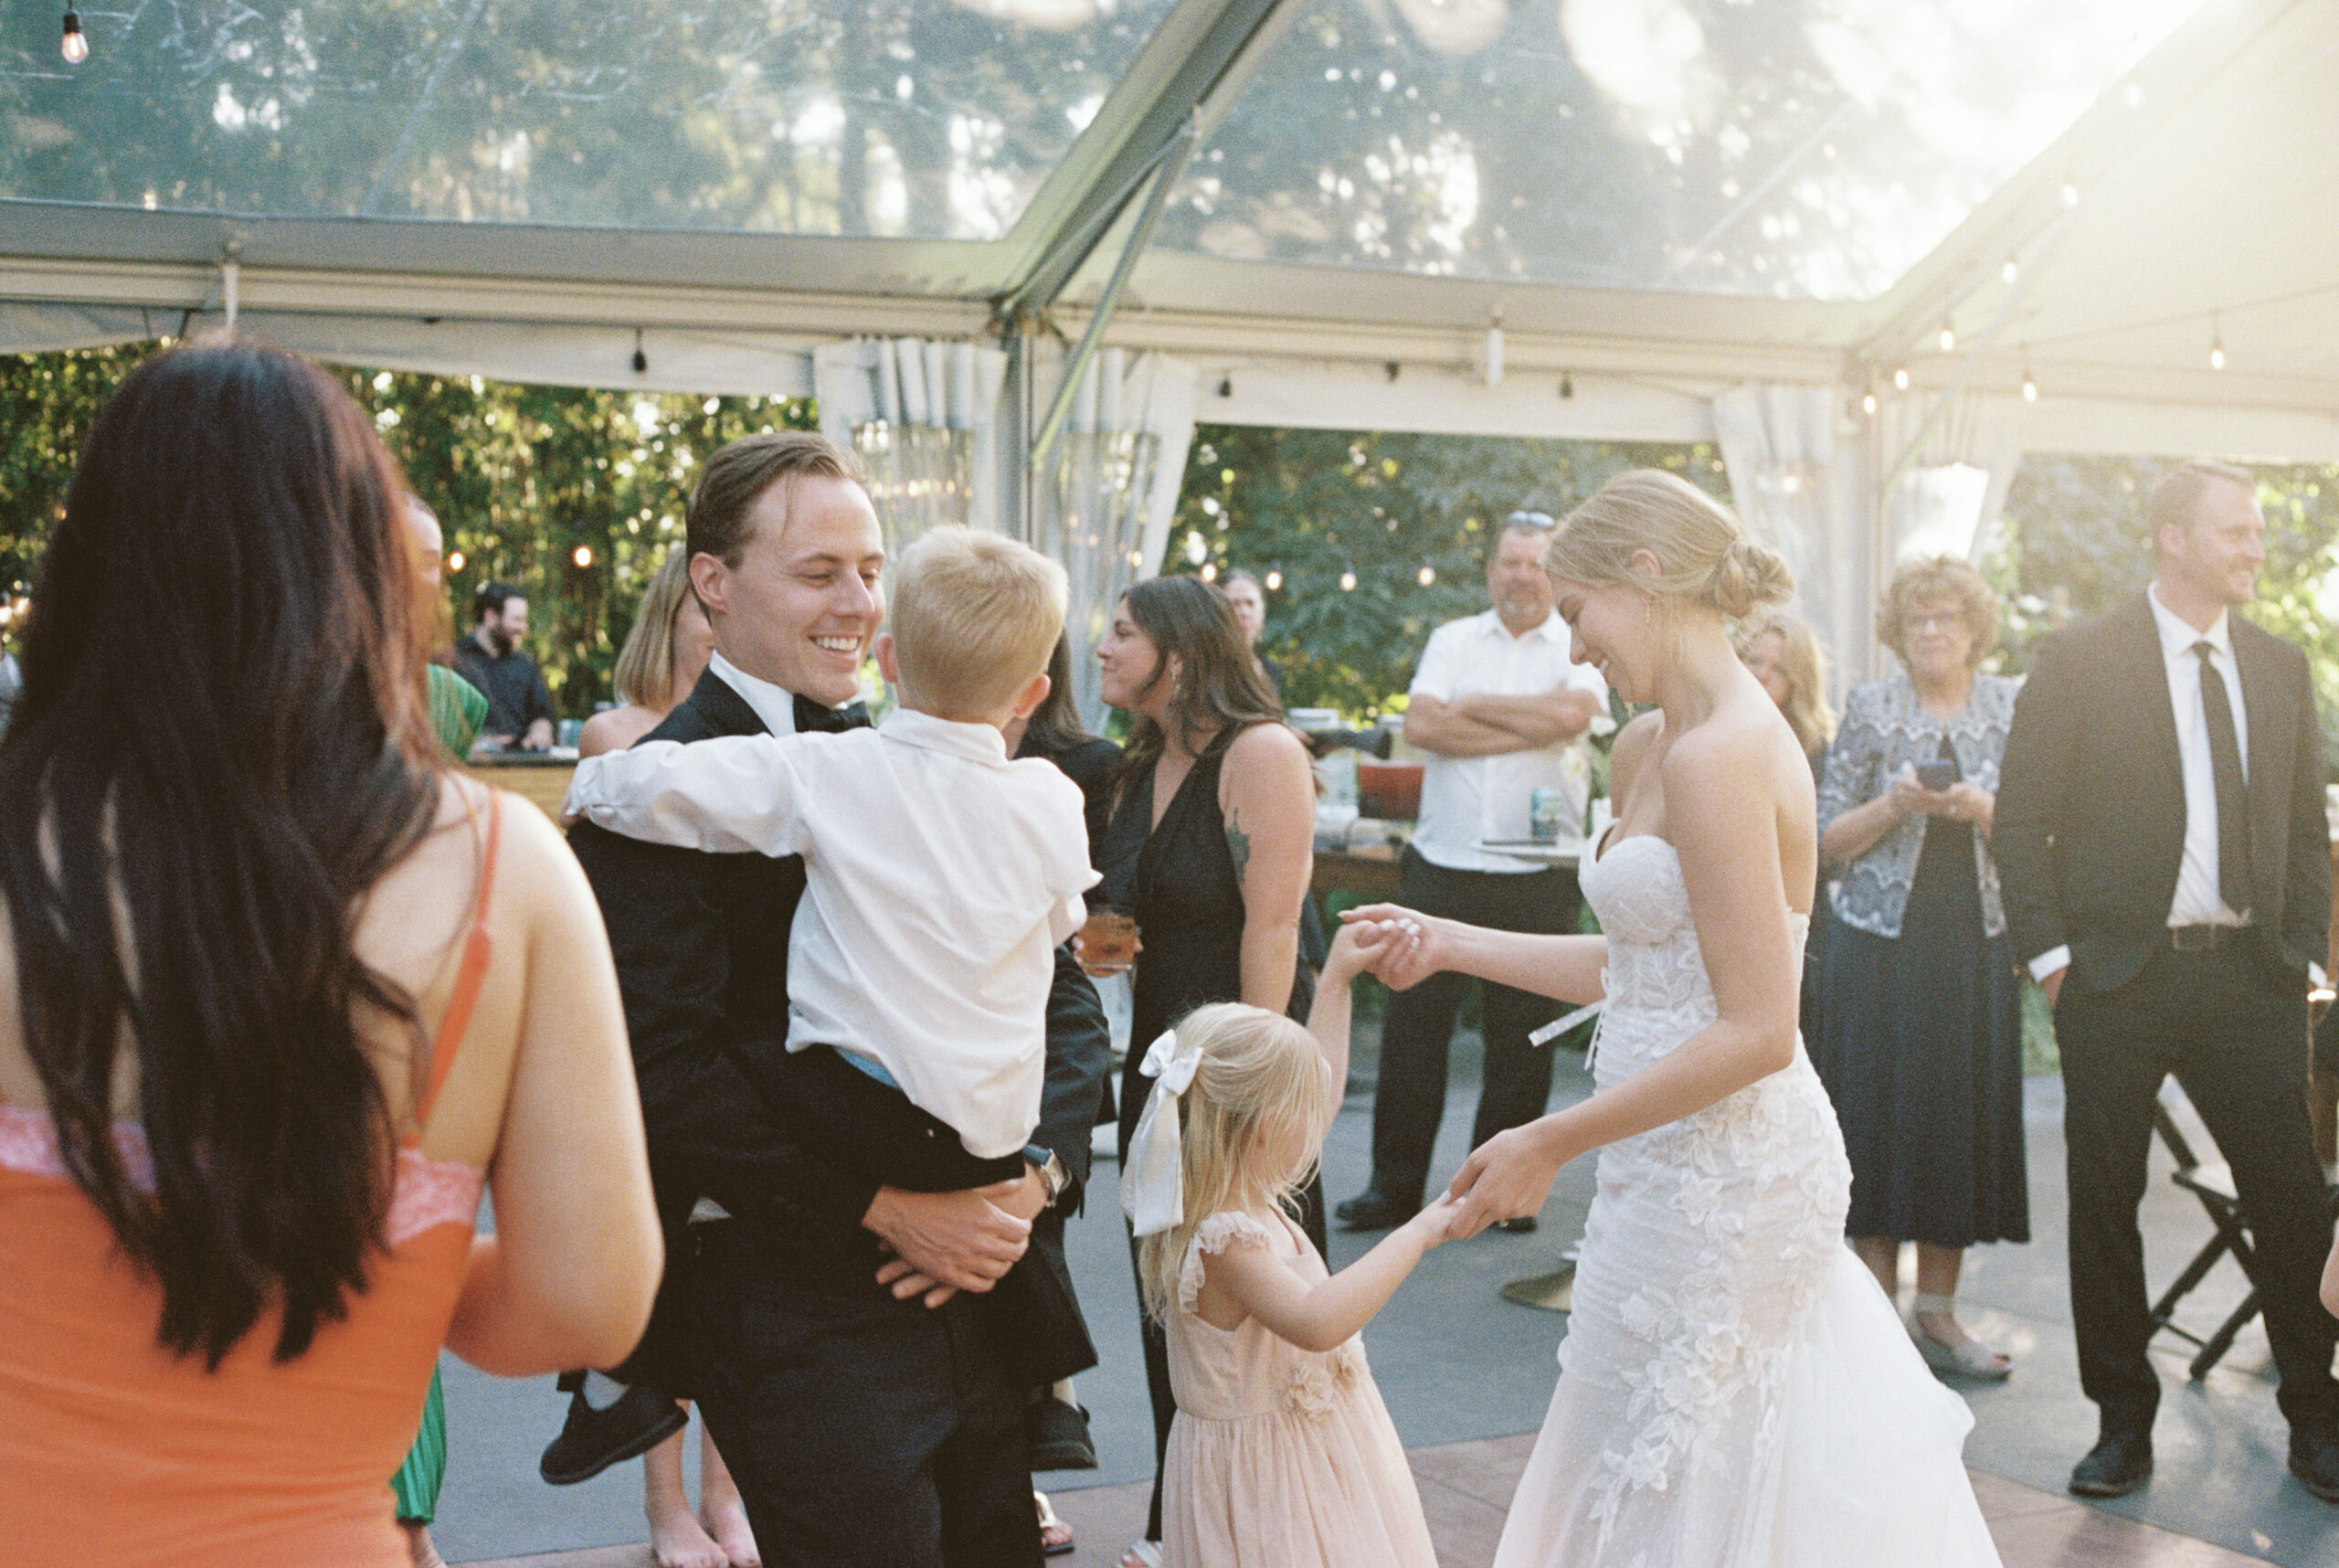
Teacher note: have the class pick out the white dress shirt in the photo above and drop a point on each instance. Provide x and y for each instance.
(939, 877)
(1466, 799)
(773, 704)
(2199, 900)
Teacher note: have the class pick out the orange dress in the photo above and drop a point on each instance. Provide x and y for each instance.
(114, 1451)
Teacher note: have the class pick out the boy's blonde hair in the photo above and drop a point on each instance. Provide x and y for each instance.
(975, 617)
(1262, 1086)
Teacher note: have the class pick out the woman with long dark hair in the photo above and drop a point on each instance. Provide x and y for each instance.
(278, 992)
(1209, 845)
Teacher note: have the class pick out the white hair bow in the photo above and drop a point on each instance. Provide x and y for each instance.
(1153, 1177)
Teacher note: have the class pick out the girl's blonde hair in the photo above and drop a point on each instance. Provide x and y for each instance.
(1805, 709)
(644, 675)
(1703, 557)
(1262, 1086)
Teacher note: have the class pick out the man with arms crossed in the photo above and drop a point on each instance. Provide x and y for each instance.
(1498, 703)
(870, 1413)
(2160, 836)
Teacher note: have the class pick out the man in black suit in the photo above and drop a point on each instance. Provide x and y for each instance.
(2160, 836)
(832, 1250)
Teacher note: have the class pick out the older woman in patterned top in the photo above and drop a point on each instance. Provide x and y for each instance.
(1919, 1030)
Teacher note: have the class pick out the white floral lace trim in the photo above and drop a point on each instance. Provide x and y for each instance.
(428, 1192)
(1216, 1234)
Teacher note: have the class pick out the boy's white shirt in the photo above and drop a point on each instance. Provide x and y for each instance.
(940, 876)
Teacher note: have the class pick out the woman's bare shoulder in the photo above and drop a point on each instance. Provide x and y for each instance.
(614, 730)
(1631, 748)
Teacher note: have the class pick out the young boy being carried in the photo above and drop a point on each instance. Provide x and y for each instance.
(939, 875)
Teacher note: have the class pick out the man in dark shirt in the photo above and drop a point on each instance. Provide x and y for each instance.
(519, 708)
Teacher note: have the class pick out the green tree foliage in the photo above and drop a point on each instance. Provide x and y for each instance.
(1314, 504)
(2073, 545)
(521, 477)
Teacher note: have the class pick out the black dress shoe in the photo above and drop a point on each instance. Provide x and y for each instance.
(2315, 1460)
(1059, 1435)
(1524, 1225)
(591, 1440)
(1374, 1210)
(2118, 1464)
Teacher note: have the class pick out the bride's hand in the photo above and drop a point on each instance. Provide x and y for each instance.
(1414, 947)
(1508, 1176)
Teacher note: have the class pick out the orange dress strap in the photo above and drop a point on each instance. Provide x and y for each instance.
(477, 950)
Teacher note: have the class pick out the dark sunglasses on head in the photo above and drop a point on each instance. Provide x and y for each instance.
(1531, 520)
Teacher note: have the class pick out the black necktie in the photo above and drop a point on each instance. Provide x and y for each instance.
(811, 715)
(2225, 766)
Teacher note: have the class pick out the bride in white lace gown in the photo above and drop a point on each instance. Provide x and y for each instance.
(1734, 1390)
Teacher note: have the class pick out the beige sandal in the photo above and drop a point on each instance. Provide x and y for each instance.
(1969, 1357)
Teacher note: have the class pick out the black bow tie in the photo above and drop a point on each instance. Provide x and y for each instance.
(811, 715)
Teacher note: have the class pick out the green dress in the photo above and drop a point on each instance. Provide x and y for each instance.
(456, 709)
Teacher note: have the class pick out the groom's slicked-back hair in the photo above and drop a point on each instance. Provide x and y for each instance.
(737, 476)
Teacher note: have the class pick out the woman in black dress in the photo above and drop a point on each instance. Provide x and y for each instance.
(1209, 846)
(1920, 1021)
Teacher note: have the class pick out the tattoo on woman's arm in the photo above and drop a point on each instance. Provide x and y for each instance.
(1238, 843)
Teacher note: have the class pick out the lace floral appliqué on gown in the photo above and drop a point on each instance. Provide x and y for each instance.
(1734, 1390)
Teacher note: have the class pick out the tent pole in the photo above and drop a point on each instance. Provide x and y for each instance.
(1182, 148)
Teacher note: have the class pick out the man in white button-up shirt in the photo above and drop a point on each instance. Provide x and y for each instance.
(1501, 709)
(2160, 843)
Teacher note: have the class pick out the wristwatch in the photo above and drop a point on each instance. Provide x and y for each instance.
(1052, 1174)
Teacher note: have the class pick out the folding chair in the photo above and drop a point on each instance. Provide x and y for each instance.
(2213, 1185)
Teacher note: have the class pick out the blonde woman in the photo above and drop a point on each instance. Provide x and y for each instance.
(1779, 651)
(1725, 1350)
(663, 656)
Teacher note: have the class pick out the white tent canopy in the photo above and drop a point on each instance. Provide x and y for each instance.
(1676, 220)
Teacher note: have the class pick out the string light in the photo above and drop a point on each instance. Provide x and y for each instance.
(1347, 579)
(75, 45)
(2011, 271)
(1275, 577)
(2216, 346)
(582, 555)
(2070, 196)
(1901, 378)
(1948, 336)
(1867, 403)
(454, 560)
(1210, 571)
(1426, 575)
(2029, 386)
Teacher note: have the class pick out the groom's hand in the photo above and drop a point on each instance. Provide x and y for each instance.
(944, 1242)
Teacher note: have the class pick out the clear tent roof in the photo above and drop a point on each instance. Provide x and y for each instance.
(1795, 149)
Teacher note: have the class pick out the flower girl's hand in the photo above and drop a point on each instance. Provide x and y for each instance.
(1435, 1223)
(1415, 951)
(1356, 948)
(1508, 1175)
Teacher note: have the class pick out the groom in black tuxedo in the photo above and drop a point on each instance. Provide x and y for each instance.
(832, 1251)
(2161, 838)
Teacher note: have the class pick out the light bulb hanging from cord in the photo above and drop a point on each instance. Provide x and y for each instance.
(1348, 578)
(1210, 571)
(1901, 378)
(1948, 336)
(75, 45)
(2216, 346)
(1426, 575)
(2030, 385)
(2010, 271)
(1867, 403)
(1275, 577)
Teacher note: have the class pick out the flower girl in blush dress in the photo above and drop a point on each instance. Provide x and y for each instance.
(1281, 1454)
(1734, 1390)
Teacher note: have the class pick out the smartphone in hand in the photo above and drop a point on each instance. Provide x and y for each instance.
(1938, 776)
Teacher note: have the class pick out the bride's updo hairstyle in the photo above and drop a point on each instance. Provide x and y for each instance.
(1703, 557)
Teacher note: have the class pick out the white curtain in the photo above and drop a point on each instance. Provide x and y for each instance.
(1949, 497)
(1102, 501)
(924, 419)
(1788, 475)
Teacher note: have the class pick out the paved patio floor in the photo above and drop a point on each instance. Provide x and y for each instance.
(1467, 1376)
